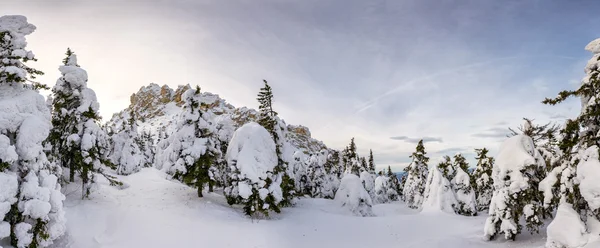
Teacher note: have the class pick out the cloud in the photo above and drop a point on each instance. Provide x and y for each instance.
(495, 132)
(416, 140)
(451, 150)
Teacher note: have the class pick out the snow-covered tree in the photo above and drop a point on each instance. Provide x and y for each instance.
(76, 140)
(126, 152)
(394, 184)
(516, 195)
(371, 162)
(31, 202)
(414, 187)
(447, 168)
(368, 181)
(482, 179)
(252, 157)
(574, 182)
(269, 120)
(320, 184)
(192, 149)
(147, 147)
(461, 184)
(439, 196)
(352, 196)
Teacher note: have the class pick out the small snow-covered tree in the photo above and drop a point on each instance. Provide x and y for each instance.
(126, 152)
(371, 162)
(269, 120)
(439, 196)
(192, 149)
(352, 196)
(252, 157)
(368, 181)
(461, 183)
(31, 202)
(146, 145)
(482, 179)
(394, 185)
(414, 187)
(320, 184)
(516, 195)
(447, 168)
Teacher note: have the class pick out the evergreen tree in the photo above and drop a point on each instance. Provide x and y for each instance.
(31, 202)
(126, 152)
(268, 119)
(363, 165)
(192, 150)
(461, 184)
(77, 142)
(447, 168)
(405, 172)
(482, 179)
(573, 182)
(414, 187)
(371, 162)
(394, 184)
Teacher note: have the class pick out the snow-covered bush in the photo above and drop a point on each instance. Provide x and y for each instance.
(516, 195)
(192, 150)
(482, 179)
(368, 181)
(439, 195)
(31, 203)
(252, 159)
(414, 186)
(465, 195)
(352, 196)
(384, 191)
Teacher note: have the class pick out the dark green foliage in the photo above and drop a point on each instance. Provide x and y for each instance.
(447, 168)
(371, 162)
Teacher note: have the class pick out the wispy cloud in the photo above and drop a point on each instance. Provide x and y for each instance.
(416, 140)
(495, 132)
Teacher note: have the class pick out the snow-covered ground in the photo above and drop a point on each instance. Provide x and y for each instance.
(156, 212)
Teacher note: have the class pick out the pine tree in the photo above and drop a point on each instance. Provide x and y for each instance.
(77, 142)
(518, 163)
(414, 187)
(572, 182)
(461, 184)
(447, 168)
(482, 179)
(371, 162)
(268, 119)
(394, 184)
(126, 152)
(31, 202)
(363, 165)
(192, 150)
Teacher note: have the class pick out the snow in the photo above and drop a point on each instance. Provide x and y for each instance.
(593, 46)
(253, 151)
(352, 196)
(155, 212)
(588, 174)
(567, 229)
(439, 196)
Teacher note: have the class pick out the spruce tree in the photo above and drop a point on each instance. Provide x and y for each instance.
(461, 184)
(126, 152)
(77, 142)
(447, 168)
(269, 120)
(394, 185)
(363, 165)
(414, 187)
(371, 162)
(31, 201)
(192, 150)
(482, 179)
(571, 184)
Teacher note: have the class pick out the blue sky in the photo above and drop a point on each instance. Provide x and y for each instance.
(385, 72)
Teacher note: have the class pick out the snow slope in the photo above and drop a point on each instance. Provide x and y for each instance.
(156, 212)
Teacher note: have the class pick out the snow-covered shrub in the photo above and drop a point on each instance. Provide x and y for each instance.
(465, 195)
(192, 150)
(31, 203)
(252, 159)
(516, 194)
(482, 179)
(439, 195)
(414, 186)
(368, 181)
(352, 196)
(383, 191)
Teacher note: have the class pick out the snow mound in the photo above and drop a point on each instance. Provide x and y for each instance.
(588, 174)
(567, 229)
(352, 196)
(252, 150)
(439, 196)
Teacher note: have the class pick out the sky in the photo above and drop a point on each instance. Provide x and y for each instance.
(389, 73)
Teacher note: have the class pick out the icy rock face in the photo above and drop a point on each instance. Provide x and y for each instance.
(352, 196)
